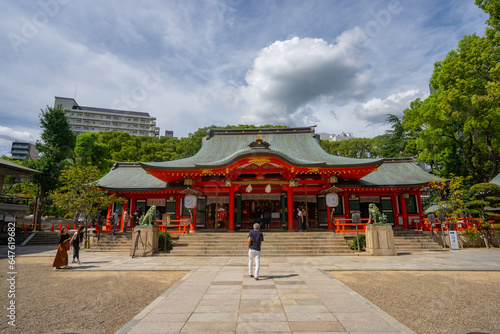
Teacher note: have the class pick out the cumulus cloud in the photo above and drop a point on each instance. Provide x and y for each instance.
(376, 110)
(288, 74)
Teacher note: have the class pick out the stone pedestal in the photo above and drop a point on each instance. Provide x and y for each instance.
(380, 240)
(144, 241)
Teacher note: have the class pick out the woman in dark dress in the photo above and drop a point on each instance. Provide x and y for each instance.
(61, 259)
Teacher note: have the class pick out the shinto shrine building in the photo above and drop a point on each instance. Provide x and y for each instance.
(240, 176)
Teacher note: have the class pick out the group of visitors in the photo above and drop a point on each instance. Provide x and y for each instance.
(114, 220)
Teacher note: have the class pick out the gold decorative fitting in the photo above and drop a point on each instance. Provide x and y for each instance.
(228, 183)
(188, 182)
(259, 161)
(333, 179)
(292, 183)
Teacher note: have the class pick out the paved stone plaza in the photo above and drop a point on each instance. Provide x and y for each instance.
(294, 294)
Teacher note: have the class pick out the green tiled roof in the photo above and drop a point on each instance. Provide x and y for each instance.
(398, 172)
(130, 176)
(297, 146)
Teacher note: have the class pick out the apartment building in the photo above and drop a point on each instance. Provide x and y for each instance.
(90, 119)
(23, 151)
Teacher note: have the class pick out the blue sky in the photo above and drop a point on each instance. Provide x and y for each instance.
(340, 65)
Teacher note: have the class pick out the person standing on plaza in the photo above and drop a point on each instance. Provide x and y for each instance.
(255, 239)
(126, 219)
(61, 259)
(76, 240)
(114, 221)
(304, 219)
(299, 219)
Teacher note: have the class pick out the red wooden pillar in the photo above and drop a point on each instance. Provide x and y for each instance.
(395, 212)
(110, 213)
(132, 205)
(289, 197)
(231, 209)
(330, 223)
(178, 208)
(347, 208)
(405, 214)
(193, 223)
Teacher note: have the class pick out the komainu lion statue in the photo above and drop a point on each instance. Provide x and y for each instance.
(149, 218)
(374, 212)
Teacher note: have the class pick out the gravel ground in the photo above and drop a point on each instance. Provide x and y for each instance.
(77, 301)
(433, 302)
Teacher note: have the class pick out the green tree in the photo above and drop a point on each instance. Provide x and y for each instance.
(396, 142)
(462, 116)
(451, 197)
(90, 152)
(486, 196)
(79, 194)
(56, 146)
(351, 148)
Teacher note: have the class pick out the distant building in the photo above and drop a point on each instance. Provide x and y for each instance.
(169, 133)
(23, 151)
(90, 119)
(343, 136)
(333, 137)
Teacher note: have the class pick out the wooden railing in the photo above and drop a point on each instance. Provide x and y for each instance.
(461, 225)
(177, 226)
(347, 226)
(182, 226)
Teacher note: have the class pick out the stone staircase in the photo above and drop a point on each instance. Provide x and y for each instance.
(44, 238)
(119, 242)
(275, 244)
(411, 241)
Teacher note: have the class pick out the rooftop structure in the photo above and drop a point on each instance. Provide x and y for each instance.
(90, 119)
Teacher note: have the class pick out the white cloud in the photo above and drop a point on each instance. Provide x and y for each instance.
(288, 74)
(376, 110)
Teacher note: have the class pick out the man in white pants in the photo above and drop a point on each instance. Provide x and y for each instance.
(255, 239)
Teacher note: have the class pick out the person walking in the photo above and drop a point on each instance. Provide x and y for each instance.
(126, 219)
(114, 221)
(76, 240)
(255, 239)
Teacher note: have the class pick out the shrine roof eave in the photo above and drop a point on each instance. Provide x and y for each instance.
(139, 190)
(355, 163)
(397, 172)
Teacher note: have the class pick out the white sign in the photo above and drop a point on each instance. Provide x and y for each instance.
(332, 200)
(156, 201)
(453, 240)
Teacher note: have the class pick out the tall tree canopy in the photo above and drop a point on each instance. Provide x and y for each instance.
(460, 120)
(57, 145)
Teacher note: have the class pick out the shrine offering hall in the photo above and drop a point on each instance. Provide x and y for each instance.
(244, 176)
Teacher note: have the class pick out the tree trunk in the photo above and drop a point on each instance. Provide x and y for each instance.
(38, 212)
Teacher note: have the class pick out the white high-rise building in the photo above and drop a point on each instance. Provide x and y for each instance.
(90, 119)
